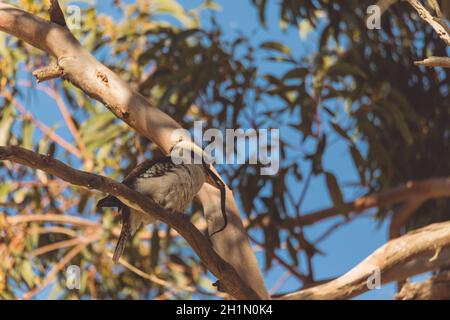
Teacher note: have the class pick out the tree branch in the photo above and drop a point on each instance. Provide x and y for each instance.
(434, 62)
(426, 16)
(83, 70)
(55, 270)
(426, 189)
(399, 219)
(226, 274)
(416, 252)
(435, 288)
(51, 134)
(49, 72)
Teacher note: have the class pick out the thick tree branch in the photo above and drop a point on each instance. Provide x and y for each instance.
(398, 221)
(435, 288)
(226, 274)
(83, 70)
(427, 189)
(417, 252)
(91, 228)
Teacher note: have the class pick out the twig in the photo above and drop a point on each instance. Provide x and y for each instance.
(426, 16)
(436, 8)
(330, 230)
(53, 93)
(52, 218)
(53, 230)
(54, 246)
(47, 131)
(427, 189)
(434, 62)
(280, 282)
(49, 72)
(304, 189)
(54, 271)
(11, 205)
(287, 266)
(157, 280)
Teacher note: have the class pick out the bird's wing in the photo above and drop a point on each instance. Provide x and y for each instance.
(143, 167)
(112, 202)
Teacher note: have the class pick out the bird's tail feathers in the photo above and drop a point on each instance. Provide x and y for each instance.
(124, 234)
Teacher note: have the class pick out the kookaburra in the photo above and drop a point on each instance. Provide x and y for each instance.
(172, 186)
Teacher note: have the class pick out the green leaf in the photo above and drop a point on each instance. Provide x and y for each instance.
(211, 5)
(297, 73)
(276, 46)
(334, 190)
(90, 40)
(345, 69)
(359, 162)
(261, 4)
(27, 134)
(95, 123)
(341, 132)
(6, 125)
(84, 198)
(292, 252)
(399, 120)
(26, 272)
(5, 188)
(174, 9)
(20, 194)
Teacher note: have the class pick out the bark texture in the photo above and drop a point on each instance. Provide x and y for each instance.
(83, 70)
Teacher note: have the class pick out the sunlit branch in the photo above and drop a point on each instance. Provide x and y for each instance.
(417, 252)
(227, 276)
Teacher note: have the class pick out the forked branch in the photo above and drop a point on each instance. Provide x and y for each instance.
(228, 277)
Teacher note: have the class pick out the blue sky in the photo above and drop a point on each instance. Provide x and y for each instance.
(350, 244)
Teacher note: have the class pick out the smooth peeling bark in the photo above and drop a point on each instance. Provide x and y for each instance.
(417, 252)
(97, 81)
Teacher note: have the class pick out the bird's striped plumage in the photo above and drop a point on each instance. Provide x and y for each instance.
(171, 186)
